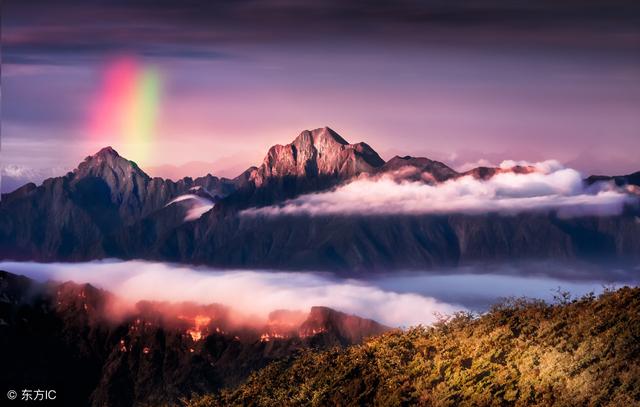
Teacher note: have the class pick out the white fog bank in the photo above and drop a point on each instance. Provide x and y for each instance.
(398, 299)
(549, 186)
(249, 292)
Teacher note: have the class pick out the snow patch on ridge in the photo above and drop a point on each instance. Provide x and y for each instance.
(198, 205)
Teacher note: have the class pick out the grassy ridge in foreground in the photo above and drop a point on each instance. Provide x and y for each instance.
(581, 352)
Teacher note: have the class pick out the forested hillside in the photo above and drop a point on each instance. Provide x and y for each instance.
(574, 352)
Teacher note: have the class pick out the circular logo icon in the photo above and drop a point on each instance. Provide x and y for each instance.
(11, 394)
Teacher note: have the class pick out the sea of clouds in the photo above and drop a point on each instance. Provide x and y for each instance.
(394, 299)
(252, 293)
(550, 186)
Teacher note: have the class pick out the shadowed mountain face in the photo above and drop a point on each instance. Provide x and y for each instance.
(152, 354)
(631, 179)
(108, 207)
(70, 216)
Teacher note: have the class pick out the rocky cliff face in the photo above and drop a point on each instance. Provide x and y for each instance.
(152, 355)
(318, 153)
(315, 160)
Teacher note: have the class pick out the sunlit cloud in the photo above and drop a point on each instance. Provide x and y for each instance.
(549, 186)
(253, 293)
(401, 299)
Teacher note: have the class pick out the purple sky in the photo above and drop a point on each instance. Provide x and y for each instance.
(496, 80)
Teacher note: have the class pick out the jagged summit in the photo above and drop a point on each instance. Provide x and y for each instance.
(323, 135)
(317, 153)
(106, 152)
(106, 163)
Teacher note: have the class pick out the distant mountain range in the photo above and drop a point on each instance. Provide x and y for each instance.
(109, 207)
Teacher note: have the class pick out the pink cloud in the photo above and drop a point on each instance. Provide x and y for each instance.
(550, 187)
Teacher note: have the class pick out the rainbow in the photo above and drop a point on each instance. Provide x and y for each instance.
(125, 112)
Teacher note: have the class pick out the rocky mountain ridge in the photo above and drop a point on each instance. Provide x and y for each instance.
(108, 207)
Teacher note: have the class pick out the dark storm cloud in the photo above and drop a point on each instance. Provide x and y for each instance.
(34, 31)
(69, 51)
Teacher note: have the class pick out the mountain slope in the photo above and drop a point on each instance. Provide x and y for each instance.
(151, 355)
(365, 243)
(69, 217)
(525, 353)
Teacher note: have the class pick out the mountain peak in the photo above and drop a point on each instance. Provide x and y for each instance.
(318, 153)
(107, 151)
(108, 161)
(325, 135)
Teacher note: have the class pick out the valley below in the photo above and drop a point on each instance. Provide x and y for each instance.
(124, 333)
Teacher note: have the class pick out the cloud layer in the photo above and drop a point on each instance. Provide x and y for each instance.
(252, 293)
(549, 187)
(401, 299)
